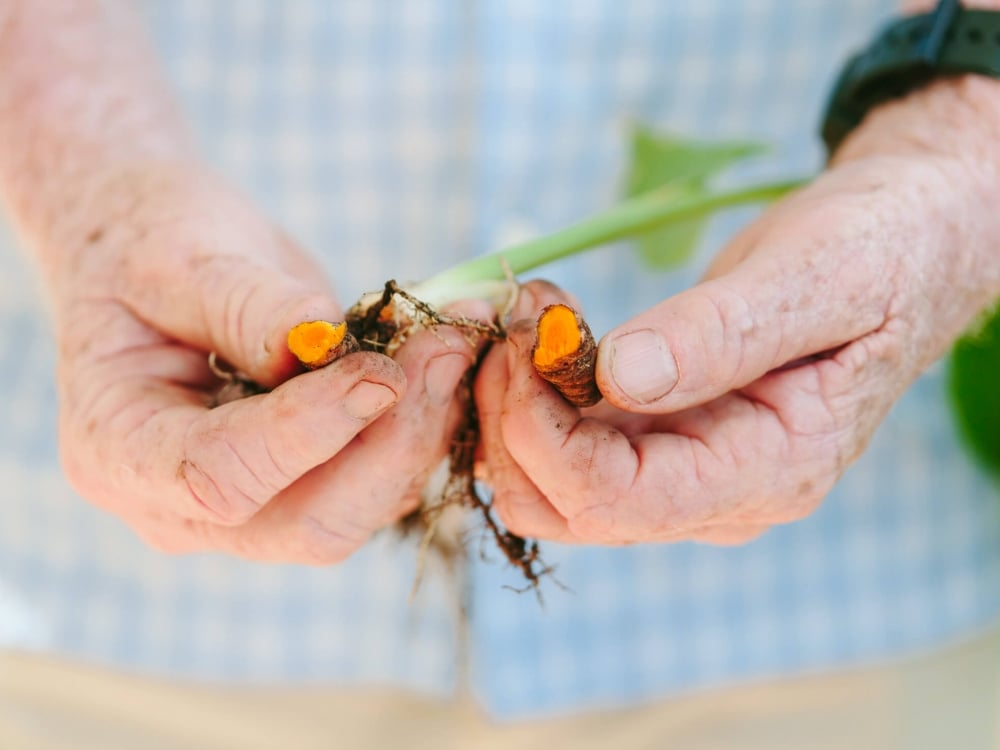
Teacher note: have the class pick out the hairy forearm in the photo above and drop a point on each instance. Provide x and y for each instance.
(80, 97)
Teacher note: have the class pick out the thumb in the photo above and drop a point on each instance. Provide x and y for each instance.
(729, 331)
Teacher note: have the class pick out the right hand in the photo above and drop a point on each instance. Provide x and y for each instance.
(165, 263)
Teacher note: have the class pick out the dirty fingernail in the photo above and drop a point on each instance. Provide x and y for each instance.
(367, 399)
(642, 365)
(441, 376)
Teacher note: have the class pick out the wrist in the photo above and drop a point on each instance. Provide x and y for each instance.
(949, 42)
(955, 117)
(79, 98)
(939, 145)
(948, 110)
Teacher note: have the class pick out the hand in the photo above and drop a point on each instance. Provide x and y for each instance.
(737, 404)
(167, 263)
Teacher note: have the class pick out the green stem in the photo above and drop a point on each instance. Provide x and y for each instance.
(630, 217)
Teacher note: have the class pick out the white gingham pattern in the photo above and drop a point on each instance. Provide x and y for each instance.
(401, 136)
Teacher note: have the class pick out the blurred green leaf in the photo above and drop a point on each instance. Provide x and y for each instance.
(671, 246)
(974, 388)
(659, 160)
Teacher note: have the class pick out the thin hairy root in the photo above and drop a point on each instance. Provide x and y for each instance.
(382, 324)
(460, 490)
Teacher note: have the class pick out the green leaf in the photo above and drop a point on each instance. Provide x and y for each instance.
(974, 388)
(671, 246)
(659, 160)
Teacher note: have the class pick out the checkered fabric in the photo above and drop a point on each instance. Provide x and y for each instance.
(405, 136)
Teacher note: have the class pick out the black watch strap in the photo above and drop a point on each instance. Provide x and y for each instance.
(908, 54)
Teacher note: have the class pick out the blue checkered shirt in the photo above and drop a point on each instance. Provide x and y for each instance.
(408, 135)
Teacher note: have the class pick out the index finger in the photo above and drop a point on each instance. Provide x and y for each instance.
(741, 460)
(160, 444)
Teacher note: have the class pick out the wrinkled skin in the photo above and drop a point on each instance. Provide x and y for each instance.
(860, 281)
(150, 262)
(171, 264)
(747, 396)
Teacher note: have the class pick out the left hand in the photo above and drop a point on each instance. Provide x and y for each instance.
(737, 404)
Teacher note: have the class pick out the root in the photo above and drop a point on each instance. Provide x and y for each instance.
(461, 490)
(383, 326)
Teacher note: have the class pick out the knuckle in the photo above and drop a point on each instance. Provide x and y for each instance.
(697, 496)
(736, 326)
(279, 465)
(279, 457)
(856, 390)
(226, 505)
(229, 300)
(233, 479)
(593, 452)
(808, 410)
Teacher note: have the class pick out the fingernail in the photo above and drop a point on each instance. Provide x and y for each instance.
(642, 365)
(367, 399)
(441, 376)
